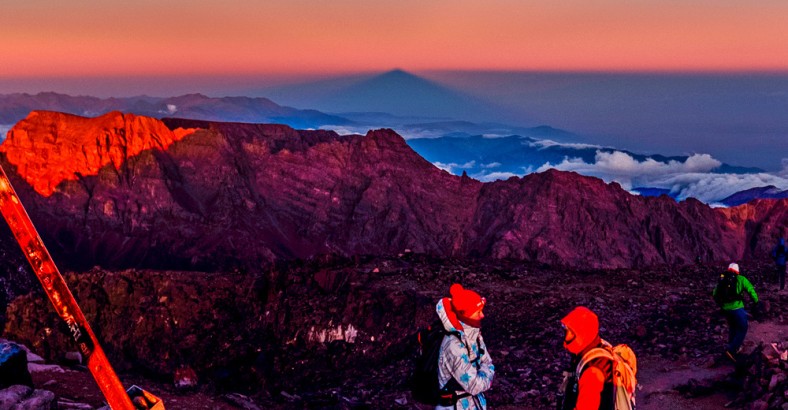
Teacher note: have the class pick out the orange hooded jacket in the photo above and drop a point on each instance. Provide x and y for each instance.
(582, 335)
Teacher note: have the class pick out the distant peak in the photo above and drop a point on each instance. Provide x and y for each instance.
(397, 71)
(398, 74)
(192, 96)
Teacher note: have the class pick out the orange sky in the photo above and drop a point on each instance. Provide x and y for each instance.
(147, 37)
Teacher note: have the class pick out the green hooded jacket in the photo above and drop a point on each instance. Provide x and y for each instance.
(742, 284)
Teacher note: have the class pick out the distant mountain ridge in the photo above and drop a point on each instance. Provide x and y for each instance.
(229, 195)
(15, 107)
(767, 192)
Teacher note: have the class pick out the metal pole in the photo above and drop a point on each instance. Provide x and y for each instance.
(60, 296)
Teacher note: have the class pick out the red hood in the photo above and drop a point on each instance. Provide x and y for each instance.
(585, 325)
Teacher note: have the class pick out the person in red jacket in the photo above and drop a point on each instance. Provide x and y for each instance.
(593, 388)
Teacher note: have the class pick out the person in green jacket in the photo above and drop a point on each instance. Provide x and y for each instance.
(728, 295)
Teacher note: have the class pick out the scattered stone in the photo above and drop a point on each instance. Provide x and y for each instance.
(12, 395)
(25, 398)
(290, 397)
(240, 401)
(39, 400)
(39, 368)
(65, 404)
(185, 378)
(73, 358)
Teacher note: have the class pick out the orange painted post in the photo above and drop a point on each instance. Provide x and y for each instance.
(60, 296)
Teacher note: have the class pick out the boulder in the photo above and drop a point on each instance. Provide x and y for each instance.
(13, 366)
(26, 398)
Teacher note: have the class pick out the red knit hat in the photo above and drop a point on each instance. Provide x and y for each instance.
(465, 303)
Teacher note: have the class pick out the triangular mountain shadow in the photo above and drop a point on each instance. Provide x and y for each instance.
(396, 92)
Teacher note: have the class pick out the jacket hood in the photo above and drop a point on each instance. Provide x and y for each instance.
(447, 316)
(584, 327)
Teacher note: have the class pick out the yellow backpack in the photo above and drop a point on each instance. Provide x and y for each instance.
(625, 367)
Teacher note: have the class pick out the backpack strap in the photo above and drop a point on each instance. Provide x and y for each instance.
(591, 355)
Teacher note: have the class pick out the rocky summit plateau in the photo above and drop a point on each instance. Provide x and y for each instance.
(293, 267)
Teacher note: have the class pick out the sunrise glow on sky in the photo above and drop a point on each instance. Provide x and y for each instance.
(146, 37)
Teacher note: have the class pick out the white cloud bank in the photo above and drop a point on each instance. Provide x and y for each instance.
(691, 178)
(452, 166)
(494, 176)
(542, 144)
(171, 109)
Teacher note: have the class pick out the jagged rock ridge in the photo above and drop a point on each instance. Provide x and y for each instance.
(240, 195)
(51, 147)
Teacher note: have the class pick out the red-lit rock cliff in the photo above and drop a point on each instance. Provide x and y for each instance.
(50, 147)
(241, 195)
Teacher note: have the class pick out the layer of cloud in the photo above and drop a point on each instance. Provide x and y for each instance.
(363, 129)
(494, 176)
(346, 130)
(453, 167)
(690, 178)
(542, 144)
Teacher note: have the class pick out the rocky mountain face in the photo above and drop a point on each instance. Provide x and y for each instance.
(51, 147)
(126, 191)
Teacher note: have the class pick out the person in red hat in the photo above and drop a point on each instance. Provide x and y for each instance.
(465, 369)
(593, 388)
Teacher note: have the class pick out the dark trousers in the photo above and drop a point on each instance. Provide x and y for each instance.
(737, 328)
(780, 270)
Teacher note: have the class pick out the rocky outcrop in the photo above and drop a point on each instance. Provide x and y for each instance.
(234, 329)
(24, 397)
(562, 218)
(49, 148)
(231, 195)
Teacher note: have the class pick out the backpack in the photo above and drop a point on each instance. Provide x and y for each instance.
(624, 367)
(727, 288)
(424, 381)
(780, 252)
